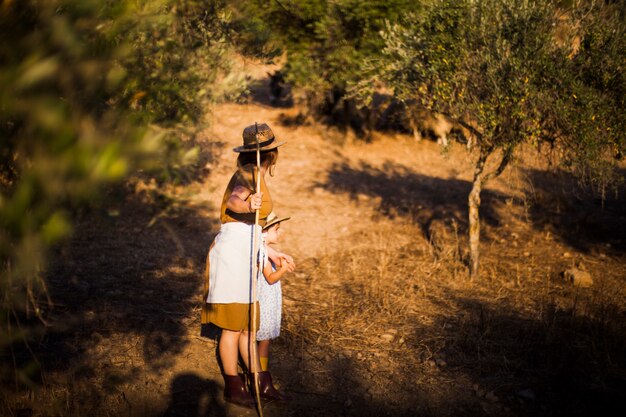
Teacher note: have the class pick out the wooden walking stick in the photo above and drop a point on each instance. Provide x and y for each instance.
(255, 275)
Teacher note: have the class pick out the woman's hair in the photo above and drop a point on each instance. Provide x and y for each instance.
(268, 159)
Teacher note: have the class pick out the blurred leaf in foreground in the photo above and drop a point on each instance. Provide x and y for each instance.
(89, 93)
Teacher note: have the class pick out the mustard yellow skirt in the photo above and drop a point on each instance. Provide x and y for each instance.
(232, 316)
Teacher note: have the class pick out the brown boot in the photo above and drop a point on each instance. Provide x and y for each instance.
(267, 389)
(235, 391)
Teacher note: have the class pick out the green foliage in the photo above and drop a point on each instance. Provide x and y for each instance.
(90, 92)
(175, 50)
(326, 42)
(475, 61)
(593, 114)
(499, 68)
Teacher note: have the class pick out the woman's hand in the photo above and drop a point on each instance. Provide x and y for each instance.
(279, 258)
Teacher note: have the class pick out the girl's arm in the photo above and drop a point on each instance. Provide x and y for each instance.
(239, 202)
(273, 277)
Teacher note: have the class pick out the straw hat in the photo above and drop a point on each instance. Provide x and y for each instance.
(272, 219)
(267, 140)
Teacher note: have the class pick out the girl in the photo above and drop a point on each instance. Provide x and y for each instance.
(270, 301)
(229, 304)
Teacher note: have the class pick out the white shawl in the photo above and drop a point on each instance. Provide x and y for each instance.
(230, 268)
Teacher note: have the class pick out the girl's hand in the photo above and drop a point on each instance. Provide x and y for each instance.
(242, 200)
(287, 266)
(286, 258)
(255, 201)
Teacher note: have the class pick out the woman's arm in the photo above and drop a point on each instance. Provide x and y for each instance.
(239, 202)
(278, 257)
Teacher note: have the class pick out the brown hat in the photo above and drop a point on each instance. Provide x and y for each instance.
(265, 135)
(272, 219)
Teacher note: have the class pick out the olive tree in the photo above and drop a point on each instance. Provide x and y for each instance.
(513, 73)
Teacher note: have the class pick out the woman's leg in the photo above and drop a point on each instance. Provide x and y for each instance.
(245, 348)
(234, 387)
(229, 351)
(264, 353)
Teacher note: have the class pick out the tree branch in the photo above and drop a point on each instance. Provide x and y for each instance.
(480, 164)
(507, 153)
(289, 12)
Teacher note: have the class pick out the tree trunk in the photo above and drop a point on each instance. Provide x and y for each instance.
(474, 217)
(480, 178)
(474, 226)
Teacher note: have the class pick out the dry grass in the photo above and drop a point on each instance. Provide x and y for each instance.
(448, 346)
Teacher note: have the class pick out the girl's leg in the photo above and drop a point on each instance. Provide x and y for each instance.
(245, 348)
(229, 352)
(266, 386)
(264, 353)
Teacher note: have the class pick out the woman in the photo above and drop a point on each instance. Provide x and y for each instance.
(229, 301)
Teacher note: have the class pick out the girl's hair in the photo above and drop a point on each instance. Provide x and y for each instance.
(268, 159)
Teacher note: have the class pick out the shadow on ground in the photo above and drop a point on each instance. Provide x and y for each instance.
(129, 269)
(271, 91)
(193, 396)
(582, 218)
(122, 289)
(404, 193)
(476, 358)
(561, 362)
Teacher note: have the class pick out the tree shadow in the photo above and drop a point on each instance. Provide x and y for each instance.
(193, 396)
(325, 381)
(401, 192)
(579, 216)
(300, 119)
(124, 285)
(562, 363)
(458, 348)
(471, 357)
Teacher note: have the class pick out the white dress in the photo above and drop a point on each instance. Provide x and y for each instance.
(270, 304)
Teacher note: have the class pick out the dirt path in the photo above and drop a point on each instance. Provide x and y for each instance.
(325, 221)
(302, 188)
(322, 222)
